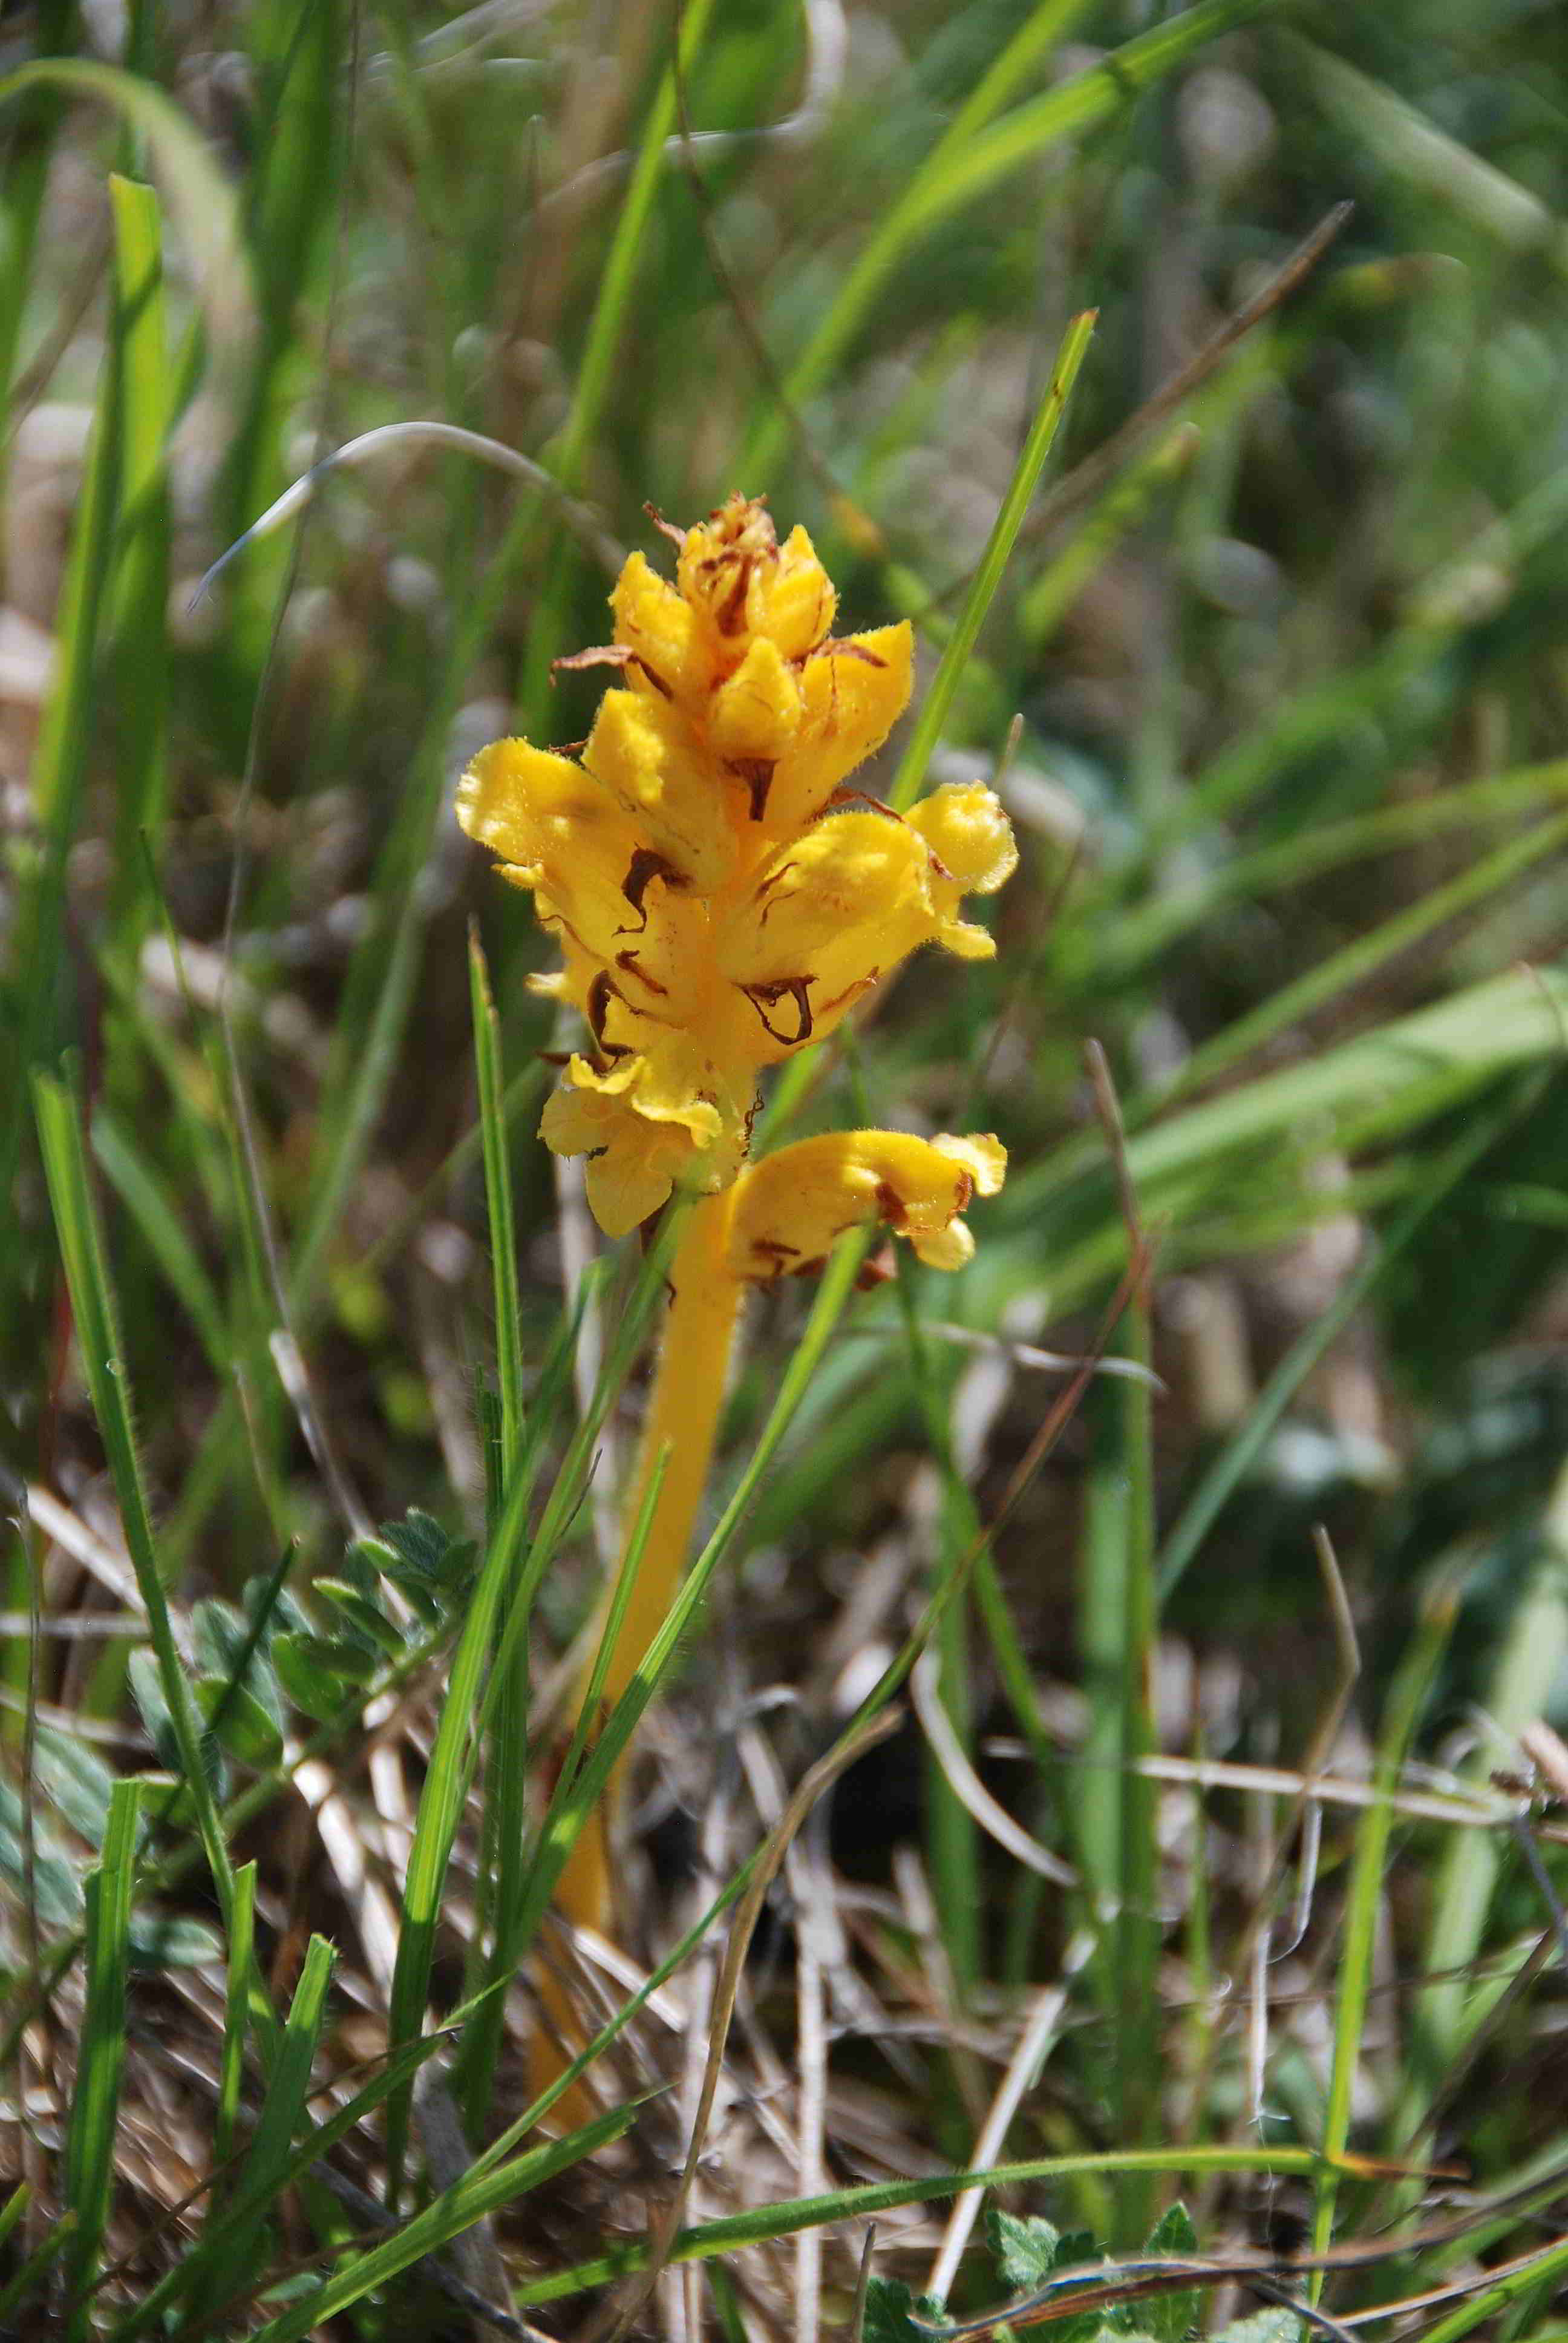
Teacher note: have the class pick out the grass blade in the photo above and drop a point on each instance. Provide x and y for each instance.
(97, 1333)
(912, 773)
(450, 1766)
(223, 2264)
(94, 2113)
(446, 2218)
(236, 2011)
(958, 169)
(1368, 1879)
(141, 585)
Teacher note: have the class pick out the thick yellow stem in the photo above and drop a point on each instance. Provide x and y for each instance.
(688, 1396)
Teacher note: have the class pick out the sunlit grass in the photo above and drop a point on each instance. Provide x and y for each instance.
(285, 1795)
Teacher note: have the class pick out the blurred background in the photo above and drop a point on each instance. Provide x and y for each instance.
(1274, 688)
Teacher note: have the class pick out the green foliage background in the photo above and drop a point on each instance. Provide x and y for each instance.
(1274, 682)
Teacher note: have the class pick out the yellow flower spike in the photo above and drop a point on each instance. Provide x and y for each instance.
(718, 899)
(791, 1209)
(721, 899)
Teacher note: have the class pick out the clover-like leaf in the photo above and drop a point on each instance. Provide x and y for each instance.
(889, 2302)
(1171, 2317)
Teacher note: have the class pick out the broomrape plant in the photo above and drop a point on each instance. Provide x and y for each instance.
(722, 898)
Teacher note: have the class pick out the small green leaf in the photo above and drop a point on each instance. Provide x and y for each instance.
(366, 1623)
(313, 1681)
(166, 1940)
(888, 2303)
(79, 1783)
(57, 1883)
(1172, 2316)
(1024, 2247)
(241, 1723)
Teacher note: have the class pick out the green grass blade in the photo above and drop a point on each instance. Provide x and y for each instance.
(236, 2011)
(1546, 2272)
(605, 329)
(952, 1835)
(202, 200)
(498, 1205)
(620, 1597)
(97, 1333)
(450, 1766)
(1130, 941)
(446, 2218)
(1354, 963)
(1367, 1887)
(912, 773)
(958, 170)
(141, 585)
(20, 2289)
(143, 1190)
(763, 2223)
(1128, 1407)
(1446, 2012)
(223, 2264)
(59, 775)
(94, 2113)
(507, 1756)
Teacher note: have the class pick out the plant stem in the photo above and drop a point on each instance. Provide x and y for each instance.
(687, 1397)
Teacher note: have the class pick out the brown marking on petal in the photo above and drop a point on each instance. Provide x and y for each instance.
(665, 528)
(643, 869)
(775, 879)
(756, 772)
(550, 921)
(592, 1154)
(764, 997)
(752, 1111)
(966, 1193)
(778, 1255)
(601, 993)
(665, 690)
(850, 992)
(630, 961)
(731, 616)
(890, 1205)
(841, 647)
(843, 796)
(810, 1268)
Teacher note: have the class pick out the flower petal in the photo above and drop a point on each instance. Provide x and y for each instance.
(646, 754)
(660, 629)
(742, 583)
(558, 832)
(790, 1208)
(852, 693)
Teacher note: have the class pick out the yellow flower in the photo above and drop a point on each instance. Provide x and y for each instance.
(721, 899)
(791, 1207)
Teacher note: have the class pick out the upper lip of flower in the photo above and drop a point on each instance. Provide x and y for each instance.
(721, 899)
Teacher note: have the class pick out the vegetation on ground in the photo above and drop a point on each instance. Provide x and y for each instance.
(1095, 1829)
